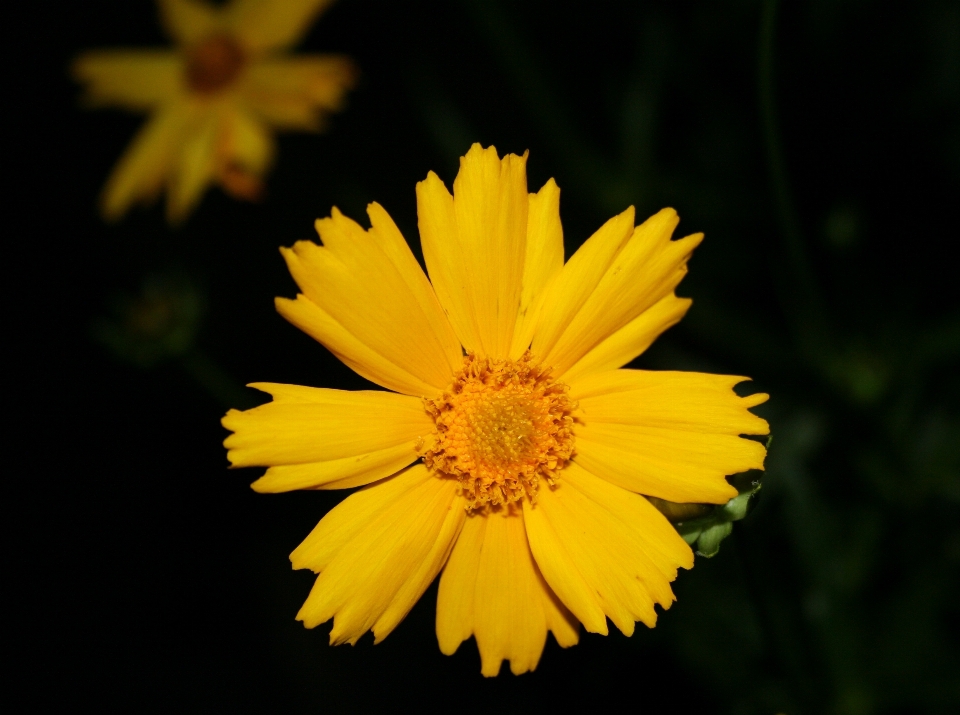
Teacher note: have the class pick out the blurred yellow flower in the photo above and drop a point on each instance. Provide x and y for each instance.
(213, 99)
(512, 453)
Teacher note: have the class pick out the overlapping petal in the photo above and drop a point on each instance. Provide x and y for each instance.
(632, 339)
(619, 273)
(578, 279)
(673, 435)
(542, 263)
(606, 552)
(320, 438)
(491, 588)
(359, 357)
(377, 551)
(369, 285)
(474, 244)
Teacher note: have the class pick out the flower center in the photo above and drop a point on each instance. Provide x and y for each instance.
(214, 63)
(501, 426)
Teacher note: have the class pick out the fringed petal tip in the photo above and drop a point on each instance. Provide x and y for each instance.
(757, 398)
(478, 154)
(758, 426)
(492, 589)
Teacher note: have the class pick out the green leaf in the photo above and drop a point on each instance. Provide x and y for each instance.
(704, 526)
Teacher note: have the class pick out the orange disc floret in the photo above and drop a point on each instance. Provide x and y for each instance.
(501, 426)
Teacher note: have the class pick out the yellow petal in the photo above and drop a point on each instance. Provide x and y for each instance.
(296, 92)
(475, 245)
(377, 552)
(673, 435)
(458, 585)
(132, 79)
(397, 250)
(359, 357)
(344, 473)
(587, 532)
(321, 438)
(245, 142)
(438, 227)
(632, 339)
(561, 572)
(577, 280)
(542, 264)
(189, 21)
(646, 270)
(196, 166)
(492, 588)
(269, 25)
(351, 517)
(244, 151)
(369, 283)
(143, 169)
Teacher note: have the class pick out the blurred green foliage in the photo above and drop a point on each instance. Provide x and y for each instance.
(158, 324)
(816, 144)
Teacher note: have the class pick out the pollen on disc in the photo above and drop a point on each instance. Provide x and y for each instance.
(501, 426)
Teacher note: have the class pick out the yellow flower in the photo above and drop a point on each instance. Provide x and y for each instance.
(213, 100)
(512, 453)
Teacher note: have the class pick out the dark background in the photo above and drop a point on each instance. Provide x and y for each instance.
(819, 150)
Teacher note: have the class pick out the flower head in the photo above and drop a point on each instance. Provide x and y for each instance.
(214, 99)
(512, 455)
